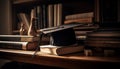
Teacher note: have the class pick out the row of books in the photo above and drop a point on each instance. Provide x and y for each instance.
(103, 43)
(21, 42)
(46, 16)
(31, 43)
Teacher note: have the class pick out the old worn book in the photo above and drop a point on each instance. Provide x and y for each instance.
(104, 39)
(21, 38)
(79, 20)
(79, 15)
(18, 45)
(61, 50)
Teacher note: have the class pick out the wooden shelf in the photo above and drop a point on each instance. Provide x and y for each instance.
(24, 1)
(71, 61)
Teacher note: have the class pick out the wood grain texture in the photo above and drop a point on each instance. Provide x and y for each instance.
(72, 61)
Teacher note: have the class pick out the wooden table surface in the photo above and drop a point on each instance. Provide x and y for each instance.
(72, 61)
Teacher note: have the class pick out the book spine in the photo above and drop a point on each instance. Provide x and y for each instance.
(18, 45)
(44, 13)
(50, 15)
(102, 52)
(22, 39)
(5, 45)
(80, 15)
(80, 20)
(67, 50)
(98, 43)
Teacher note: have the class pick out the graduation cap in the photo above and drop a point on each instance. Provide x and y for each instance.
(62, 35)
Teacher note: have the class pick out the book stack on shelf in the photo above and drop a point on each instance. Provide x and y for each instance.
(18, 42)
(82, 18)
(103, 43)
(82, 31)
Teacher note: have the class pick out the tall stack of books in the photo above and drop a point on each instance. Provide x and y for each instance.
(86, 18)
(19, 42)
(103, 43)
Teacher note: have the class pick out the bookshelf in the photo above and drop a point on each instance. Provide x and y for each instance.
(64, 8)
(98, 7)
(50, 13)
(104, 11)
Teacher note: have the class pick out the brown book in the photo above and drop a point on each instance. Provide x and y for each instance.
(19, 38)
(61, 50)
(105, 44)
(106, 39)
(80, 20)
(50, 15)
(22, 1)
(80, 15)
(18, 45)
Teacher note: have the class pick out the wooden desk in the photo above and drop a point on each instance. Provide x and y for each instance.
(73, 61)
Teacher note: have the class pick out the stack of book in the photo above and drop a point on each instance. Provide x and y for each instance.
(19, 42)
(104, 43)
(61, 50)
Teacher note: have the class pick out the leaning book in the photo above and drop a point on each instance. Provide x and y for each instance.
(18, 45)
(61, 50)
(24, 38)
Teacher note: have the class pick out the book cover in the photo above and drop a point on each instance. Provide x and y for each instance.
(61, 50)
(21, 38)
(18, 45)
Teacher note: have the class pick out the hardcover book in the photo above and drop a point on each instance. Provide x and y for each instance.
(21, 38)
(18, 45)
(61, 50)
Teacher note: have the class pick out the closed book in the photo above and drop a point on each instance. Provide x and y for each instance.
(79, 16)
(21, 38)
(104, 39)
(79, 20)
(18, 45)
(61, 50)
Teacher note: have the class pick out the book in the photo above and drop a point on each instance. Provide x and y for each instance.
(79, 20)
(99, 51)
(21, 38)
(79, 15)
(50, 15)
(106, 39)
(18, 45)
(59, 14)
(61, 50)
